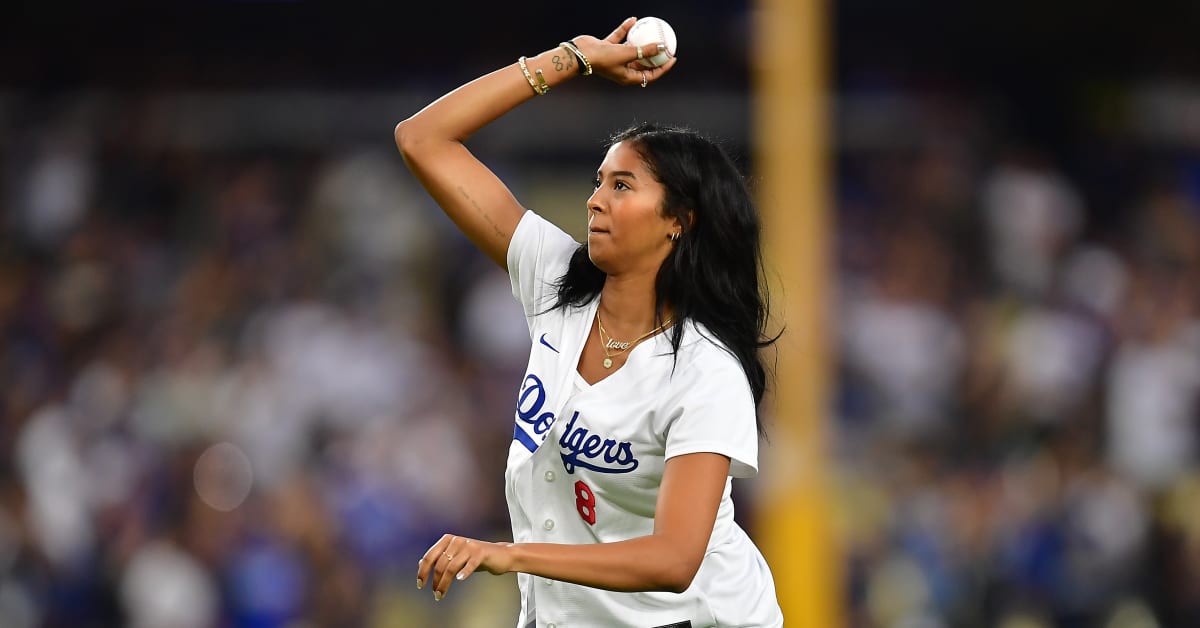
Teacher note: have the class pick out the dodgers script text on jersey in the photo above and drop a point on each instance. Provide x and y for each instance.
(598, 454)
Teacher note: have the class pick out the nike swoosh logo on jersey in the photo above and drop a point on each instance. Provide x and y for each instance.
(548, 345)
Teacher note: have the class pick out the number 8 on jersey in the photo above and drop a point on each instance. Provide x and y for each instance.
(585, 502)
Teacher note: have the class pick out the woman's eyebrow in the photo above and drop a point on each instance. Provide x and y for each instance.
(617, 173)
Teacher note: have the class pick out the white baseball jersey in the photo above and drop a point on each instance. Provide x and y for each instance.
(586, 461)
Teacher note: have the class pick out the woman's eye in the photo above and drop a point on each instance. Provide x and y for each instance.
(617, 185)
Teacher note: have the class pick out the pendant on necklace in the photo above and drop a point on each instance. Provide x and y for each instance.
(607, 363)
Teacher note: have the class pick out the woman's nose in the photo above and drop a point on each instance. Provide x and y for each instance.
(593, 202)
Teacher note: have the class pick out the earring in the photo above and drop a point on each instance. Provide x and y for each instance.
(674, 236)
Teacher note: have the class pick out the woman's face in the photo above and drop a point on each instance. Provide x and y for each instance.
(626, 228)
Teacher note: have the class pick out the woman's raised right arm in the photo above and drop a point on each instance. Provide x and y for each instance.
(431, 141)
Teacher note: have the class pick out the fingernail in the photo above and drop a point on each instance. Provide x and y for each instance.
(459, 576)
(420, 583)
(437, 596)
(662, 48)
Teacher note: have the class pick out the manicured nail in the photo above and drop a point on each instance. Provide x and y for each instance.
(437, 596)
(420, 583)
(460, 576)
(662, 48)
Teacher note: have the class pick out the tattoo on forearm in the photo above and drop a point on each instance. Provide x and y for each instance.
(483, 214)
(563, 62)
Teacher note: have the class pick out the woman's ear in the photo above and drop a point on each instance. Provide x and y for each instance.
(677, 225)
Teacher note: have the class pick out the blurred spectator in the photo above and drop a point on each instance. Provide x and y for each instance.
(1032, 215)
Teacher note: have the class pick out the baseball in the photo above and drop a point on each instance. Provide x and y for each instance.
(649, 30)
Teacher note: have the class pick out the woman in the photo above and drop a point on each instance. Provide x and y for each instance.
(639, 401)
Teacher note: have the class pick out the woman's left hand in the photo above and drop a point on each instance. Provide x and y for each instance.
(456, 558)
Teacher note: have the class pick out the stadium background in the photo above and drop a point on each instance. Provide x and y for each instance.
(206, 237)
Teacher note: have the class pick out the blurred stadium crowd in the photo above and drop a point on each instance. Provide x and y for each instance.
(1019, 397)
(246, 382)
(309, 311)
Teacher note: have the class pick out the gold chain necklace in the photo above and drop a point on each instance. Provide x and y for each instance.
(621, 347)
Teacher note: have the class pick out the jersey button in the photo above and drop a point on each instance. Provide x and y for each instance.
(549, 476)
(548, 524)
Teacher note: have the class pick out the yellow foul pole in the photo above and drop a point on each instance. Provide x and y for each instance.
(793, 169)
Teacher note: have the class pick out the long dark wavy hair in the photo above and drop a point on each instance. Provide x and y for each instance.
(714, 273)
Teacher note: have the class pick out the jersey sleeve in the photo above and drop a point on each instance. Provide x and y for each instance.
(714, 412)
(538, 255)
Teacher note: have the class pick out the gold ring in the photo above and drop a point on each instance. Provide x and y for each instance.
(640, 57)
(448, 557)
(643, 79)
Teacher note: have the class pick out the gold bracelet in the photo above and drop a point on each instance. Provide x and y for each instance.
(583, 60)
(540, 91)
(542, 82)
